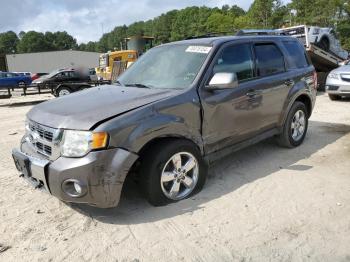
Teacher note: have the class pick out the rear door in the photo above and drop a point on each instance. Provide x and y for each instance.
(274, 82)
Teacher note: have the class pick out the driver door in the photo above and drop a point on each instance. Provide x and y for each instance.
(231, 115)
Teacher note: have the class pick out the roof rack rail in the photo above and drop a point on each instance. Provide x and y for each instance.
(258, 32)
(211, 34)
(241, 32)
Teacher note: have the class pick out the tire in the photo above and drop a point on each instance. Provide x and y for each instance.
(158, 176)
(334, 97)
(62, 91)
(21, 84)
(293, 137)
(324, 44)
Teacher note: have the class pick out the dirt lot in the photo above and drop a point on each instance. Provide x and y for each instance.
(263, 203)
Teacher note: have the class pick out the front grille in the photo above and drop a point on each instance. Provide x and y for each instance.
(43, 139)
(345, 79)
(44, 148)
(47, 135)
(333, 88)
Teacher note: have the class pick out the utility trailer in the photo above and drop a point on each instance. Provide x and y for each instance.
(66, 88)
(323, 61)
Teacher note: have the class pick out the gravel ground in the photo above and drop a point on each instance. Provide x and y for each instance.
(263, 203)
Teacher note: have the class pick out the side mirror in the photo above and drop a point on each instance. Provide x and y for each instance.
(223, 81)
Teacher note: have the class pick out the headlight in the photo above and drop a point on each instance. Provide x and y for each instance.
(26, 125)
(79, 143)
(333, 75)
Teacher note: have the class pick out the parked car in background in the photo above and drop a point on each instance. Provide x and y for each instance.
(38, 75)
(165, 123)
(23, 73)
(60, 76)
(326, 38)
(338, 83)
(8, 79)
(65, 81)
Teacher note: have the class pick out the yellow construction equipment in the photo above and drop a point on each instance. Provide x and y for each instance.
(135, 45)
(107, 60)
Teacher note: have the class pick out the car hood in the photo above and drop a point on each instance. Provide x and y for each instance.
(84, 109)
(342, 69)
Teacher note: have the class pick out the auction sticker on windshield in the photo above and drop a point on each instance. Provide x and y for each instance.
(198, 49)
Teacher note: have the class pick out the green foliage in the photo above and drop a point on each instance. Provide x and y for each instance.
(194, 21)
(37, 42)
(33, 42)
(344, 32)
(218, 22)
(60, 41)
(8, 42)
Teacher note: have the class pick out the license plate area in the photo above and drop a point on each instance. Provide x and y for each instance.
(22, 163)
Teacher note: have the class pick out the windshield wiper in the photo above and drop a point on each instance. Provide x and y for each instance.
(138, 85)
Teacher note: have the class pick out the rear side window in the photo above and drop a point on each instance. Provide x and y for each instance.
(296, 54)
(269, 59)
(236, 59)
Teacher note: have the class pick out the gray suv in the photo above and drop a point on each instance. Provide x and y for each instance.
(178, 108)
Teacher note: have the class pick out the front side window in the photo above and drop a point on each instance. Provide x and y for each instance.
(269, 59)
(296, 54)
(236, 59)
(169, 67)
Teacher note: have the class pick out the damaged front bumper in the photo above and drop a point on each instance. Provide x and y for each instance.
(100, 175)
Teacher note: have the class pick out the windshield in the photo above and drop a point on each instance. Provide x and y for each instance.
(170, 66)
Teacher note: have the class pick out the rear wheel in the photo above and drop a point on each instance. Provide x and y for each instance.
(334, 97)
(324, 44)
(172, 171)
(295, 126)
(63, 91)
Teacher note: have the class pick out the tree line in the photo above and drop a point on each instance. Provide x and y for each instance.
(194, 21)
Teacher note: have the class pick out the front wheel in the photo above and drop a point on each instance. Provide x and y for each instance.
(171, 171)
(295, 126)
(63, 91)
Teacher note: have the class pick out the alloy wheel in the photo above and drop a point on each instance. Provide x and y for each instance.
(179, 176)
(298, 125)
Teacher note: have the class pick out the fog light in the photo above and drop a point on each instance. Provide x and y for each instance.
(77, 188)
(74, 188)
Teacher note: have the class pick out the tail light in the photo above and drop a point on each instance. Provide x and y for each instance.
(314, 76)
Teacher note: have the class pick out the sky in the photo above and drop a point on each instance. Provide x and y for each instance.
(87, 20)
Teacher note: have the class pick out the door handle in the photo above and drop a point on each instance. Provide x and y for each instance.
(253, 93)
(289, 82)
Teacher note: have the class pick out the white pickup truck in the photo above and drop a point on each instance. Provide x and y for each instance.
(321, 44)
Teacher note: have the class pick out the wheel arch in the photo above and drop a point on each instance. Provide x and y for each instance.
(154, 142)
(301, 97)
(306, 100)
(163, 139)
(325, 37)
(57, 89)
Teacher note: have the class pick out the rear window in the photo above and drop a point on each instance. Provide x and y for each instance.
(269, 59)
(296, 54)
